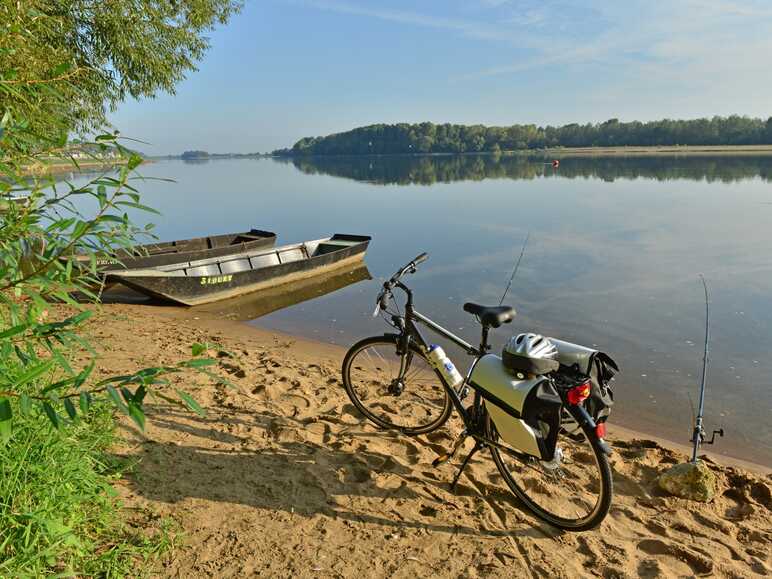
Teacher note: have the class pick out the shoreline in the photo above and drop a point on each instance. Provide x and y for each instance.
(43, 169)
(210, 322)
(628, 151)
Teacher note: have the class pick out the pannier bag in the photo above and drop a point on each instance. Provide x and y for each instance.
(598, 366)
(526, 412)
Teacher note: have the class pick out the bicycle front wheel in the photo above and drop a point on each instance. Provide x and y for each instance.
(572, 492)
(415, 403)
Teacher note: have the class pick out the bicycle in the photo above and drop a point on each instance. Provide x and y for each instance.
(390, 379)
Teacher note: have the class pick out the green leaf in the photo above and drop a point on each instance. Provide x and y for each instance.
(190, 402)
(33, 373)
(197, 349)
(197, 363)
(70, 408)
(136, 414)
(5, 420)
(84, 401)
(134, 162)
(116, 400)
(78, 318)
(139, 395)
(13, 331)
(52, 415)
(127, 395)
(83, 376)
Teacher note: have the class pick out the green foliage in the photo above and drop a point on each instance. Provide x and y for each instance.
(406, 138)
(58, 513)
(94, 54)
(63, 64)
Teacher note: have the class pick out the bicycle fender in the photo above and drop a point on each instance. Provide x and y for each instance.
(580, 414)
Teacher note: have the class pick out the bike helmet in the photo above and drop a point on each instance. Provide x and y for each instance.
(531, 354)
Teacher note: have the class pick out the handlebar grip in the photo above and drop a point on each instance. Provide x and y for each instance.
(421, 258)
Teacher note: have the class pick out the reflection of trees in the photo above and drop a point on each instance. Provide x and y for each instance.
(426, 170)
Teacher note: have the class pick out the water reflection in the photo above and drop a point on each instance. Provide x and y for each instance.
(427, 170)
(263, 302)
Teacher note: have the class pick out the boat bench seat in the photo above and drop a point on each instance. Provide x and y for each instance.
(204, 270)
(235, 265)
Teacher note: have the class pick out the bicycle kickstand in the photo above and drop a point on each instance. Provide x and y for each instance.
(443, 458)
(477, 446)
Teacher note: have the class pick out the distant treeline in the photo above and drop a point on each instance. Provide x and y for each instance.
(406, 138)
(205, 155)
(426, 170)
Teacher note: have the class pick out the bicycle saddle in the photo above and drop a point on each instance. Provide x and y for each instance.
(491, 315)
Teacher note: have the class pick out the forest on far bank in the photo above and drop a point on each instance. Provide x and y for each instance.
(405, 138)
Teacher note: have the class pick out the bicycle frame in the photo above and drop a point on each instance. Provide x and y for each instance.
(409, 331)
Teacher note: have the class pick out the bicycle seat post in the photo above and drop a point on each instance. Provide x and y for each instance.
(484, 346)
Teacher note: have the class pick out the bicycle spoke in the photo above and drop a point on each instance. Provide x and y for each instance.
(416, 401)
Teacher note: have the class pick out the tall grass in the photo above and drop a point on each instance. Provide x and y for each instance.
(59, 515)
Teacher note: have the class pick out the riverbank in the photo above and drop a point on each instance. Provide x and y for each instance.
(701, 150)
(283, 478)
(66, 166)
(689, 150)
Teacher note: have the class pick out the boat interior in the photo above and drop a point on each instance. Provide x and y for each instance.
(198, 243)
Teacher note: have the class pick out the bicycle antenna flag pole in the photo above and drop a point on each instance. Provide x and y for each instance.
(698, 433)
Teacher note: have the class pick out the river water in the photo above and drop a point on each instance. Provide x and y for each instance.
(616, 245)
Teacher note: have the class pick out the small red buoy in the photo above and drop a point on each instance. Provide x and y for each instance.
(555, 164)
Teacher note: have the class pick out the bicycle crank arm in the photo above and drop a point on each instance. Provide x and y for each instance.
(443, 458)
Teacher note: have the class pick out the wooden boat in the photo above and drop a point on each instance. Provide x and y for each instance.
(263, 302)
(184, 250)
(212, 279)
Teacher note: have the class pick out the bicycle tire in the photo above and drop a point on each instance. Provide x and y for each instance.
(593, 518)
(413, 403)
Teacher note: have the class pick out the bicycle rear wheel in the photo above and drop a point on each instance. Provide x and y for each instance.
(573, 492)
(417, 404)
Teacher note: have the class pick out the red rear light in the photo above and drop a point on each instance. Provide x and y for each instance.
(600, 430)
(578, 394)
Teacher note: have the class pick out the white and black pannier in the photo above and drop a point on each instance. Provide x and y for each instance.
(598, 366)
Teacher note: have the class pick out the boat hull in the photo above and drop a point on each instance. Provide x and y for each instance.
(197, 290)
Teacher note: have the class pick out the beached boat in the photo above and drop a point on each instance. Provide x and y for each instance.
(184, 250)
(212, 279)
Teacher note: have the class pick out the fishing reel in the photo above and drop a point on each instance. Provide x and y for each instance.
(700, 434)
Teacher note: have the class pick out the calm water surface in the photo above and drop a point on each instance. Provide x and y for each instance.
(615, 248)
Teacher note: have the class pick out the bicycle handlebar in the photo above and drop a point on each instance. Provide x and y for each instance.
(410, 267)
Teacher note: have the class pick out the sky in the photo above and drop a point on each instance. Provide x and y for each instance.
(284, 69)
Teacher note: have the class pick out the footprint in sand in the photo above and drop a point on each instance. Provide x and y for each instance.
(675, 558)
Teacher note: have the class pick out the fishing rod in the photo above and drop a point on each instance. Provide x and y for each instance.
(517, 265)
(698, 434)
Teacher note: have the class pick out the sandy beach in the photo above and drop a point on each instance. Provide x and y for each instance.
(284, 479)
